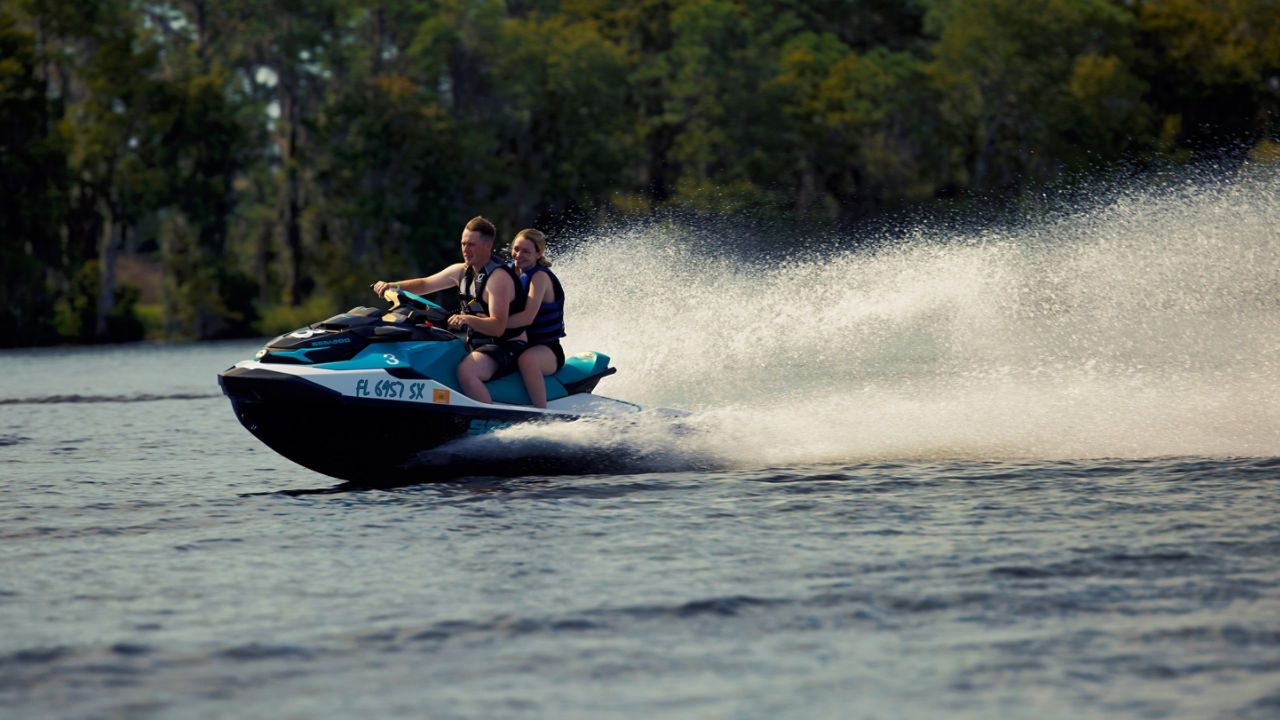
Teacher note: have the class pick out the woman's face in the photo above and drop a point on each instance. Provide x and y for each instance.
(524, 253)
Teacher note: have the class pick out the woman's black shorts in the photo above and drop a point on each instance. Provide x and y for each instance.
(557, 351)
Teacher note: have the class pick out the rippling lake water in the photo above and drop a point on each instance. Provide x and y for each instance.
(1033, 475)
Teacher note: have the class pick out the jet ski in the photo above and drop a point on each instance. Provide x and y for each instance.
(363, 395)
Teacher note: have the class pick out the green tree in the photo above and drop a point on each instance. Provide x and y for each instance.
(1213, 67)
(1013, 75)
(112, 124)
(386, 156)
(279, 153)
(563, 131)
(718, 62)
(33, 185)
(642, 29)
(868, 125)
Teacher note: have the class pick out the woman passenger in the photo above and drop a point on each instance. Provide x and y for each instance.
(543, 313)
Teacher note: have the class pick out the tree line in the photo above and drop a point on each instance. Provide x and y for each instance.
(214, 168)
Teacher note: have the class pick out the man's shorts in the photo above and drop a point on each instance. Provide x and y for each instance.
(504, 354)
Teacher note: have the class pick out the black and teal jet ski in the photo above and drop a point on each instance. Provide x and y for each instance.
(363, 395)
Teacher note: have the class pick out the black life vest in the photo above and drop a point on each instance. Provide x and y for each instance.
(471, 291)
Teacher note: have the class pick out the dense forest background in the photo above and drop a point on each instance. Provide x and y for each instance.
(213, 168)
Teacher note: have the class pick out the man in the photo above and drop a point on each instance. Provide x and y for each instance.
(490, 294)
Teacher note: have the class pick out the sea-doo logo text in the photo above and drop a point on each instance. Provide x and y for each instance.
(480, 427)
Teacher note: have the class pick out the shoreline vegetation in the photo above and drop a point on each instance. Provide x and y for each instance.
(182, 170)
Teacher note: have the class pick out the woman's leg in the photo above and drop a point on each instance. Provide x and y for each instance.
(536, 363)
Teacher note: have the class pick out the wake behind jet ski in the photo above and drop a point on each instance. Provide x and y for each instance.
(362, 395)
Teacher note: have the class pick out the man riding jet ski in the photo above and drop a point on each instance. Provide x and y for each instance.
(359, 396)
(490, 294)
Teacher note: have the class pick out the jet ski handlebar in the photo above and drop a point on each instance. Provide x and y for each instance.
(417, 306)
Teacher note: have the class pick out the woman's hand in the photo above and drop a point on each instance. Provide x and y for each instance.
(459, 322)
(381, 287)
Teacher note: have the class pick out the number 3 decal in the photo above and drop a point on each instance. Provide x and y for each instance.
(391, 359)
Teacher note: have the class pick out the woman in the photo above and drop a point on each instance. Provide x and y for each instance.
(543, 313)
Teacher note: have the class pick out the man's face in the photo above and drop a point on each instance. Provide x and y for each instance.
(475, 247)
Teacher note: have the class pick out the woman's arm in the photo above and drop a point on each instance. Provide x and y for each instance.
(539, 290)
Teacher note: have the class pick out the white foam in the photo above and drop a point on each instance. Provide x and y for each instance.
(1147, 325)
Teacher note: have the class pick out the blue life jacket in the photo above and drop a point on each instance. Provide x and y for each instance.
(548, 324)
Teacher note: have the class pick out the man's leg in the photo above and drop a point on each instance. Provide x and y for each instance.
(473, 371)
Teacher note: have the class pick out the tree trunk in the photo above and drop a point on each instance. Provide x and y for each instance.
(988, 130)
(111, 242)
(288, 211)
(660, 175)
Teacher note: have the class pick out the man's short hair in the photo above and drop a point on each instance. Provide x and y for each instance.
(482, 226)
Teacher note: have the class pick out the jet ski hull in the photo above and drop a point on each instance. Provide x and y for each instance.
(363, 395)
(366, 440)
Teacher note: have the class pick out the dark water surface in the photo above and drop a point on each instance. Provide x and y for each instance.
(1028, 473)
(152, 567)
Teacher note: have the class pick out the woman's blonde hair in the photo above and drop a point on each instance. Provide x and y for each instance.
(539, 240)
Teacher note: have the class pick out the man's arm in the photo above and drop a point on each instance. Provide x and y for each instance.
(498, 292)
(446, 278)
